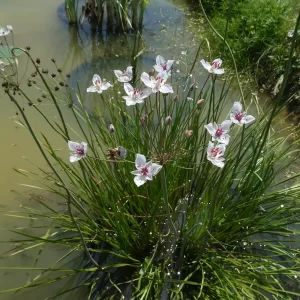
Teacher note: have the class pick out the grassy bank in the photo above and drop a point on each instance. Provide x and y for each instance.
(259, 33)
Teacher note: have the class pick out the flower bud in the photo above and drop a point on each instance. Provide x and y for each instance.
(168, 120)
(200, 102)
(176, 98)
(188, 133)
(111, 128)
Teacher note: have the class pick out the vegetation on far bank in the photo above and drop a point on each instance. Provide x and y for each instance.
(259, 33)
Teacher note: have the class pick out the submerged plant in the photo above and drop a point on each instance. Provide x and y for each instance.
(196, 221)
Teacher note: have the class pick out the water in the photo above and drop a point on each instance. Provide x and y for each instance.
(166, 32)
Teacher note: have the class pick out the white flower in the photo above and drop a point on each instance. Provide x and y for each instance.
(219, 131)
(98, 85)
(2, 66)
(135, 95)
(239, 117)
(213, 67)
(215, 154)
(4, 32)
(78, 150)
(9, 27)
(162, 65)
(158, 83)
(124, 76)
(145, 170)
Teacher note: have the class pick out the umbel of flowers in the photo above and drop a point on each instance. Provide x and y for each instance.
(153, 84)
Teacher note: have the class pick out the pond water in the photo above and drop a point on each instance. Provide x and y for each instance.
(39, 24)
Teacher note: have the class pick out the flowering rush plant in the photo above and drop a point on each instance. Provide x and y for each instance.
(164, 190)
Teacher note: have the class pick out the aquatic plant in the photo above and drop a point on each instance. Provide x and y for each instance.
(196, 221)
(111, 15)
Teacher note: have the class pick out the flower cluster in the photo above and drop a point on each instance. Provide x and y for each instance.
(219, 134)
(6, 31)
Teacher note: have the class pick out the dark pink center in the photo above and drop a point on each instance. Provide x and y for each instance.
(136, 92)
(215, 64)
(164, 66)
(125, 74)
(80, 151)
(219, 132)
(97, 82)
(145, 171)
(239, 116)
(215, 151)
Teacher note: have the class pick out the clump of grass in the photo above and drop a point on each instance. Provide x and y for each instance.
(197, 230)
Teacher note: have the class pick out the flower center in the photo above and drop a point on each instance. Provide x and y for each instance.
(80, 151)
(219, 132)
(215, 65)
(239, 116)
(215, 152)
(164, 66)
(145, 171)
(97, 82)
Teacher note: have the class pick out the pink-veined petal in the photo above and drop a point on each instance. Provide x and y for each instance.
(217, 61)
(222, 148)
(158, 69)
(140, 161)
(139, 180)
(136, 172)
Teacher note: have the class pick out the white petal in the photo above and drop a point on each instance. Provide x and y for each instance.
(92, 89)
(223, 139)
(155, 168)
(105, 86)
(145, 93)
(211, 128)
(205, 64)
(160, 60)
(136, 172)
(146, 79)
(210, 146)
(218, 71)
(96, 80)
(169, 64)
(218, 163)
(129, 100)
(225, 125)
(237, 108)
(73, 145)
(129, 70)
(75, 157)
(222, 148)
(140, 161)
(248, 119)
(139, 180)
(166, 88)
(158, 69)
(118, 73)
(128, 89)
